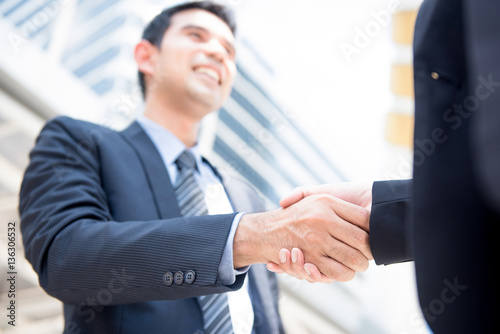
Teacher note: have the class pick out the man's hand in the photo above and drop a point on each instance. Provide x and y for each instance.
(356, 193)
(331, 233)
(293, 262)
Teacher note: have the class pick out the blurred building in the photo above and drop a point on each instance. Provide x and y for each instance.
(75, 58)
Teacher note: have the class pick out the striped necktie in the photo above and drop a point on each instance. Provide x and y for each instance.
(215, 308)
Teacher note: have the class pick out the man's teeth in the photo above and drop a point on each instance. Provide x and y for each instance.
(210, 72)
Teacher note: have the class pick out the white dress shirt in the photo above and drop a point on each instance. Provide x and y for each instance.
(170, 147)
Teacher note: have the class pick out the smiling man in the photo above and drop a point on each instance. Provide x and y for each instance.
(193, 67)
(119, 226)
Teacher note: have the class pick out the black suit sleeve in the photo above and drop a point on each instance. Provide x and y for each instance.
(390, 222)
(82, 255)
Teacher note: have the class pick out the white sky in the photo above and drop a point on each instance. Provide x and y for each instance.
(341, 104)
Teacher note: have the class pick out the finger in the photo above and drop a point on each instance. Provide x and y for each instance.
(346, 255)
(292, 263)
(292, 198)
(275, 268)
(314, 273)
(352, 213)
(344, 224)
(334, 270)
(310, 280)
(297, 268)
(285, 258)
(297, 257)
(300, 193)
(298, 263)
(353, 236)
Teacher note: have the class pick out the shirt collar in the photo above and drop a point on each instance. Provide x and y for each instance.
(167, 144)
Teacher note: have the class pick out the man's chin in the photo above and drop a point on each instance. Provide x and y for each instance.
(209, 99)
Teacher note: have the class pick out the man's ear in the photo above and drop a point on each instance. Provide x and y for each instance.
(145, 55)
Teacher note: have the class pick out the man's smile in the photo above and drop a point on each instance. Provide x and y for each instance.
(210, 72)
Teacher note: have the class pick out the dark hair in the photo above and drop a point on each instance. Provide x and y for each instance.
(155, 30)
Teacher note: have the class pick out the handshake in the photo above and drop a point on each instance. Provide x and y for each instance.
(320, 234)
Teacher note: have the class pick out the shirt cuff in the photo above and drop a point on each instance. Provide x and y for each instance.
(227, 273)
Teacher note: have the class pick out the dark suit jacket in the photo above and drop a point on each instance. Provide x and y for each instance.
(447, 217)
(101, 227)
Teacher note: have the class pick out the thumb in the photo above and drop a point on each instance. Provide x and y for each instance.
(275, 268)
(296, 195)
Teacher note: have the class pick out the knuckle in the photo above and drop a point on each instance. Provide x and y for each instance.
(365, 266)
(345, 256)
(364, 214)
(323, 198)
(362, 264)
(343, 274)
(313, 238)
(298, 190)
(362, 238)
(348, 275)
(353, 260)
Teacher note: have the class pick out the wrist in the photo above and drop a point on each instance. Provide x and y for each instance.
(255, 239)
(245, 244)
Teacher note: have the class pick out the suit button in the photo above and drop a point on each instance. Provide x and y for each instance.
(189, 277)
(179, 277)
(435, 75)
(168, 278)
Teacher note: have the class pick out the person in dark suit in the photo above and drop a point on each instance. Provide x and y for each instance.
(135, 232)
(447, 217)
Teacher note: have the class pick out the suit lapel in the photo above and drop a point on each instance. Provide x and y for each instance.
(154, 168)
(237, 192)
(230, 191)
(237, 203)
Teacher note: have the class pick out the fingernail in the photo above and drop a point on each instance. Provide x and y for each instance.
(307, 270)
(269, 268)
(282, 256)
(294, 255)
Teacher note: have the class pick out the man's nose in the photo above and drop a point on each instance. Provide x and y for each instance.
(215, 49)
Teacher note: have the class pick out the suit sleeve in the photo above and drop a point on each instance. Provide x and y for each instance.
(82, 256)
(390, 222)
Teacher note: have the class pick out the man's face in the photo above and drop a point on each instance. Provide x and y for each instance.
(196, 60)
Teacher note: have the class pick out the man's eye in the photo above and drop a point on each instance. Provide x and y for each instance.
(195, 35)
